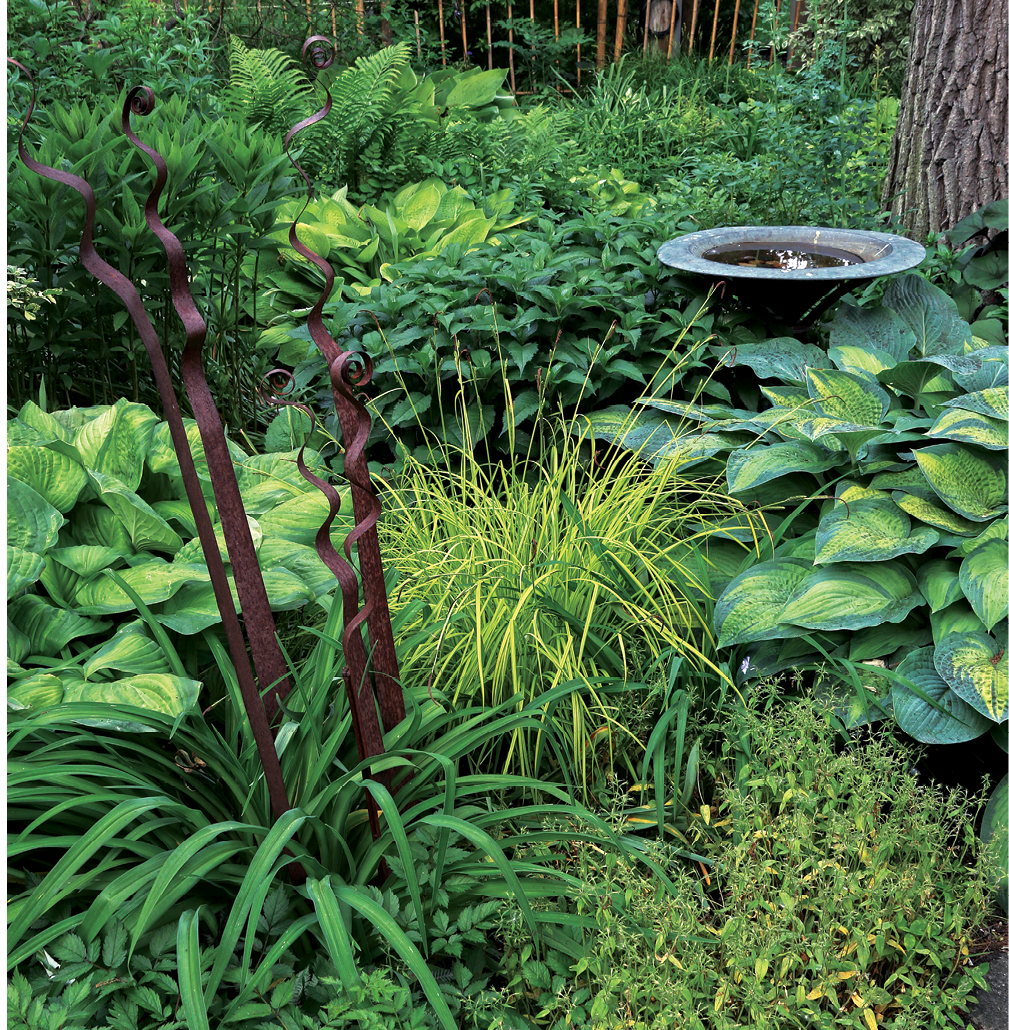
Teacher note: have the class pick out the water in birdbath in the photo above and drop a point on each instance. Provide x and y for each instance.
(786, 256)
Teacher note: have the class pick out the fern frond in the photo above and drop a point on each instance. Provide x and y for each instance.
(267, 87)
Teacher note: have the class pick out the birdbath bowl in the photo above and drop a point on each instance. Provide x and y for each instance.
(790, 272)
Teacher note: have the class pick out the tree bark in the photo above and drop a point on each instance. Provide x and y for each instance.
(948, 155)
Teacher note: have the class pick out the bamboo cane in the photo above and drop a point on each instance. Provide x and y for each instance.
(465, 47)
(332, 11)
(511, 48)
(774, 32)
(753, 29)
(714, 25)
(578, 46)
(416, 28)
(490, 50)
(532, 48)
(557, 23)
(648, 17)
(618, 42)
(359, 11)
(600, 35)
(732, 42)
(441, 31)
(693, 24)
(672, 25)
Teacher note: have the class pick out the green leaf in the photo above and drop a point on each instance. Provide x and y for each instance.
(33, 524)
(156, 692)
(49, 628)
(933, 514)
(53, 476)
(853, 597)
(993, 402)
(422, 205)
(953, 722)
(910, 377)
(870, 529)
(881, 641)
(288, 430)
(984, 577)
(991, 216)
(975, 667)
(750, 606)
(95, 525)
(148, 531)
(746, 468)
(959, 617)
(476, 90)
(880, 329)
(864, 361)
(116, 443)
(987, 271)
(939, 582)
(300, 518)
(995, 833)
(130, 651)
(971, 484)
(930, 313)
(780, 357)
(190, 978)
(23, 569)
(849, 398)
(39, 691)
(85, 561)
(154, 580)
(971, 427)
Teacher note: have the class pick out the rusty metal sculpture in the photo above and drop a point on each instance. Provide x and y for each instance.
(371, 671)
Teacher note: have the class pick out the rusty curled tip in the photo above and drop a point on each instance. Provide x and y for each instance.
(276, 388)
(319, 52)
(141, 100)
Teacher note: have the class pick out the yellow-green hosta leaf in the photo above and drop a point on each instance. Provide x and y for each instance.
(870, 530)
(18, 648)
(910, 481)
(85, 561)
(952, 722)
(278, 468)
(154, 581)
(301, 518)
(750, 606)
(53, 476)
(130, 651)
(853, 596)
(984, 577)
(848, 398)
(970, 427)
(970, 483)
(939, 581)
(193, 551)
(117, 442)
(177, 510)
(311, 236)
(148, 531)
(850, 492)
(300, 559)
(934, 514)
(959, 617)
(43, 690)
(157, 692)
(975, 667)
(33, 524)
(48, 628)
(474, 230)
(862, 360)
(421, 207)
(95, 525)
(993, 402)
(746, 468)
(23, 569)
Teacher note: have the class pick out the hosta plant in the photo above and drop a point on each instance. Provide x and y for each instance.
(99, 530)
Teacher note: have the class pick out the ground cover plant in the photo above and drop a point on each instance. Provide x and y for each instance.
(624, 794)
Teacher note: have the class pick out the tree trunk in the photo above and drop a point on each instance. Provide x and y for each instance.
(948, 155)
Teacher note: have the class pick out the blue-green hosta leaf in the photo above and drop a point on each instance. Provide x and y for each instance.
(984, 577)
(959, 617)
(910, 378)
(872, 529)
(993, 402)
(23, 569)
(975, 667)
(864, 361)
(695, 410)
(779, 358)
(53, 476)
(970, 427)
(746, 468)
(33, 524)
(115, 444)
(154, 581)
(972, 484)
(129, 651)
(194, 608)
(930, 313)
(997, 530)
(750, 608)
(933, 514)
(685, 451)
(981, 369)
(193, 551)
(853, 596)
(43, 690)
(300, 518)
(638, 431)
(954, 722)
(882, 641)
(848, 398)
(49, 628)
(939, 581)
(85, 561)
(787, 396)
(995, 833)
(880, 329)
(156, 692)
(148, 531)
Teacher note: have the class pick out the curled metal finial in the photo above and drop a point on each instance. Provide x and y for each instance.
(319, 52)
(141, 100)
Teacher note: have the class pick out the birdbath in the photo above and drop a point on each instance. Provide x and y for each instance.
(790, 272)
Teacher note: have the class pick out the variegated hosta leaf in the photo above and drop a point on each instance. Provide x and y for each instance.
(872, 529)
(787, 396)
(23, 569)
(49, 628)
(970, 483)
(879, 328)
(846, 397)
(979, 370)
(995, 833)
(781, 357)
(911, 480)
(959, 617)
(975, 667)
(749, 467)
(853, 596)
(154, 581)
(43, 690)
(970, 427)
(861, 360)
(934, 514)
(130, 651)
(993, 402)
(170, 695)
(53, 476)
(33, 524)
(939, 581)
(147, 529)
(881, 641)
(953, 722)
(984, 577)
(851, 492)
(750, 607)
(930, 313)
